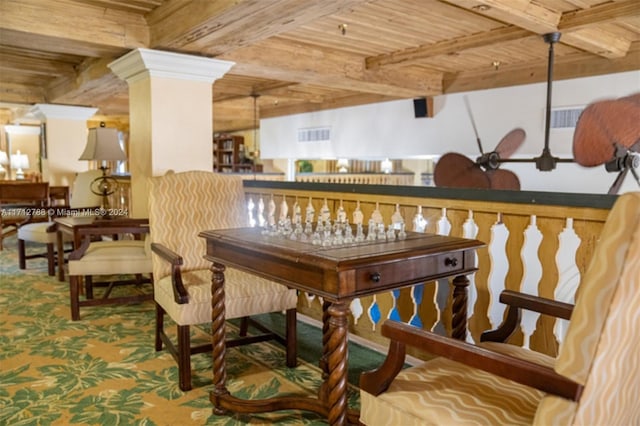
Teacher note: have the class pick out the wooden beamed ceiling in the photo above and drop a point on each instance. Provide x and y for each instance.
(308, 55)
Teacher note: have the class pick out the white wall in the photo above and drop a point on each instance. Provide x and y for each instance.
(390, 130)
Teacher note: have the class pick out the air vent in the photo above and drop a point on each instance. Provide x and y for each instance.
(565, 118)
(314, 134)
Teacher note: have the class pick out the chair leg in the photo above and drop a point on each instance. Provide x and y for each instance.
(22, 256)
(244, 326)
(51, 263)
(74, 291)
(159, 326)
(291, 337)
(88, 287)
(184, 358)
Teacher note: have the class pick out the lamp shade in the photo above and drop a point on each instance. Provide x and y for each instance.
(103, 144)
(3, 158)
(19, 161)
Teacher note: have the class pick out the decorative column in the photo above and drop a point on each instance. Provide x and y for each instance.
(170, 113)
(64, 138)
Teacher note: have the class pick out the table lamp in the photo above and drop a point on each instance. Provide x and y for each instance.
(19, 162)
(343, 165)
(103, 144)
(4, 160)
(386, 166)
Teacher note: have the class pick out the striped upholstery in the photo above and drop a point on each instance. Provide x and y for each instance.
(245, 295)
(601, 350)
(109, 257)
(180, 206)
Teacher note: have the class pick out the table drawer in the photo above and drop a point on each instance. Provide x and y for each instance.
(406, 270)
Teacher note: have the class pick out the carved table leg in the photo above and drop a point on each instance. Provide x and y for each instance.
(325, 337)
(459, 319)
(218, 336)
(335, 349)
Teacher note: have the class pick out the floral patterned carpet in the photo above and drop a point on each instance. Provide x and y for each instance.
(103, 369)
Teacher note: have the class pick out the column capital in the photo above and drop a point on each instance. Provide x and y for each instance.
(144, 63)
(63, 112)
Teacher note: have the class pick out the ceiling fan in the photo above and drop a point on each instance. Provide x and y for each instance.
(608, 132)
(620, 130)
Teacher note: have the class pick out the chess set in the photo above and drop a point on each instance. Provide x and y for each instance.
(325, 231)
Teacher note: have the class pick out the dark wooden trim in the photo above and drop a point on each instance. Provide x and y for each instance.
(600, 201)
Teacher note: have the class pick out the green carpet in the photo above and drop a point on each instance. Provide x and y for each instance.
(103, 369)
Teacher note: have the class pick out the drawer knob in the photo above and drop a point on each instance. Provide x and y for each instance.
(376, 277)
(451, 261)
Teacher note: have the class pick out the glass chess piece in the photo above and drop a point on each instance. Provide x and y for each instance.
(359, 233)
(261, 220)
(358, 217)
(381, 235)
(402, 234)
(348, 234)
(376, 216)
(371, 230)
(391, 233)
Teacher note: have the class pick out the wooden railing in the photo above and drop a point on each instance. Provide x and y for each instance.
(358, 178)
(538, 243)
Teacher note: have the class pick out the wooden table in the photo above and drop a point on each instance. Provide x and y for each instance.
(338, 274)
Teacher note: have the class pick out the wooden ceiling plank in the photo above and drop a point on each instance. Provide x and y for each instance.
(20, 93)
(598, 41)
(272, 59)
(65, 20)
(604, 13)
(448, 47)
(575, 65)
(218, 27)
(33, 66)
(527, 14)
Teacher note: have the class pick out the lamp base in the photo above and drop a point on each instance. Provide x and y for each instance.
(104, 186)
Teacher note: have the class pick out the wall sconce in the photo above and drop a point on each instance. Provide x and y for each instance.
(386, 166)
(103, 144)
(342, 165)
(19, 162)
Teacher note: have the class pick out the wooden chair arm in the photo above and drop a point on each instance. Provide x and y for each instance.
(517, 301)
(114, 227)
(180, 294)
(516, 369)
(136, 227)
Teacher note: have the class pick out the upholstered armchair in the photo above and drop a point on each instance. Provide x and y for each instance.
(595, 379)
(128, 255)
(21, 202)
(181, 205)
(45, 232)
